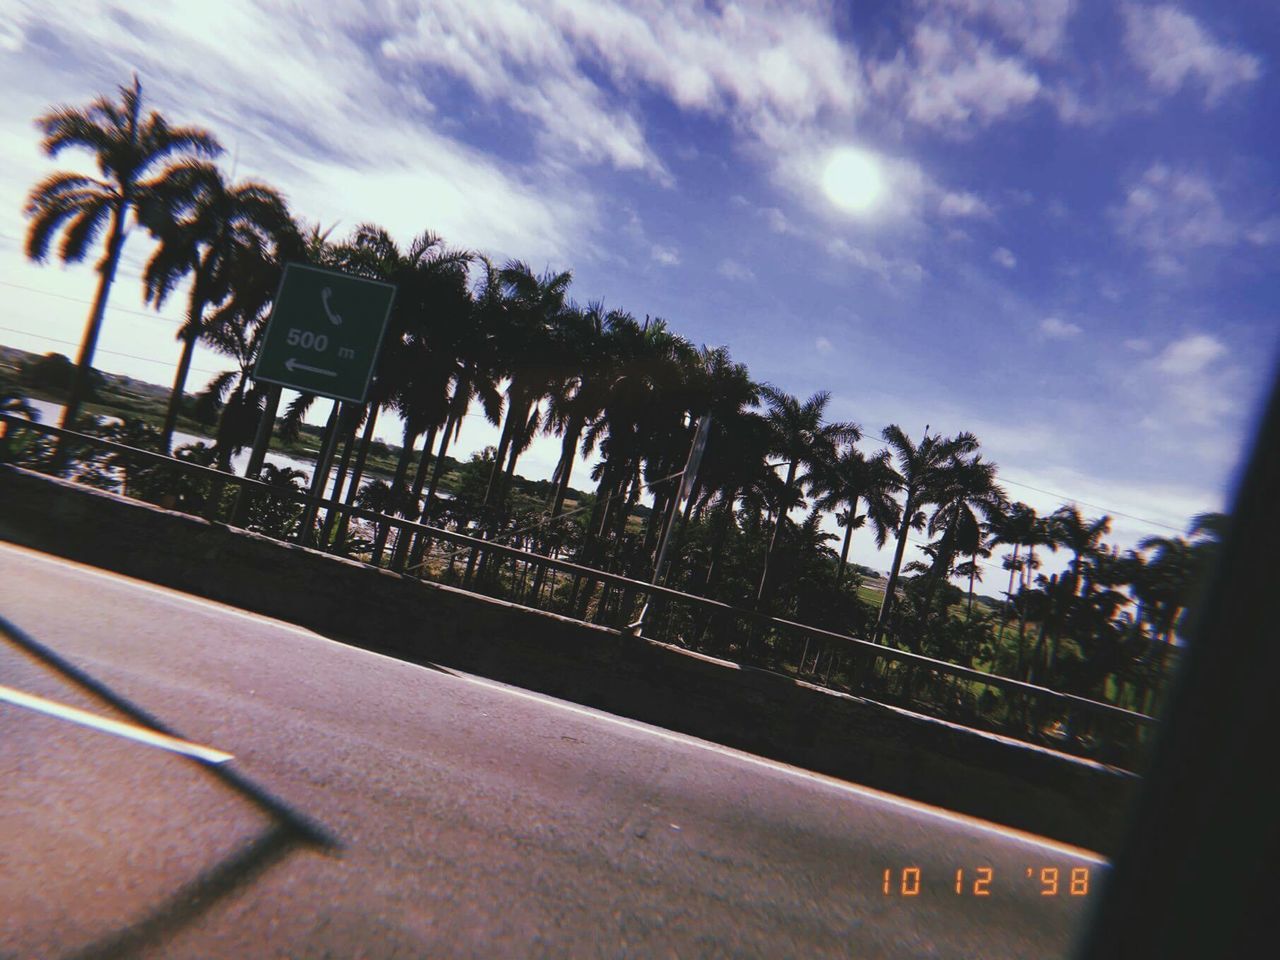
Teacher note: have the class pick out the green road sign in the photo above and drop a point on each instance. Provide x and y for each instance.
(324, 332)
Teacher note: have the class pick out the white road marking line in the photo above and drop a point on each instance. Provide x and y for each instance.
(870, 793)
(129, 731)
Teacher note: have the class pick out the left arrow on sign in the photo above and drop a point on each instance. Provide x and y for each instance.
(292, 364)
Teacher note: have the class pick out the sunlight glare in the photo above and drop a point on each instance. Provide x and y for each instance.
(852, 180)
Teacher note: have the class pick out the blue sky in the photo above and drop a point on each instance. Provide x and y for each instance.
(1070, 250)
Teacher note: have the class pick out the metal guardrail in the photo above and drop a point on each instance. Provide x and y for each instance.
(690, 621)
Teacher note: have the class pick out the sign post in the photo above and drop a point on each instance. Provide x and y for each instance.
(324, 333)
(323, 338)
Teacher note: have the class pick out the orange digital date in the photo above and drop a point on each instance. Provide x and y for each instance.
(908, 881)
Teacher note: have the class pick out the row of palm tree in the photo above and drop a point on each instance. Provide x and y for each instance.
(466, 332)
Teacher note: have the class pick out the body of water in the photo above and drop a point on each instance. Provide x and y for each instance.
(51, 413)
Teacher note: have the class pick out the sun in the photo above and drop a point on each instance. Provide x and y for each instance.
(852, 180)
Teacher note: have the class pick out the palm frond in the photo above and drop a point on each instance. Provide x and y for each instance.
(83, 231)
(294, 414)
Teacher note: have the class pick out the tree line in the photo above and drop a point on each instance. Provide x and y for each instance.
(470, 334)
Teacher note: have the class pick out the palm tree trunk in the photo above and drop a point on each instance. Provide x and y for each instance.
(1037, 658)
(973, 569)
(658, 515)
(421, 542)
(1022, 643)
(777, 527)
(568, 452)
(398, 505)
(886, 604)
(357, 473)
(437, 471)
(89, 341)
(189, 335)
(223, 443)
(1008, 602)
(717, 547)
(179, 387)
(258, 454)
(344, 464)
(504, 442)
(417, 513)
(420, 476)
(844, 549)
(519, 442)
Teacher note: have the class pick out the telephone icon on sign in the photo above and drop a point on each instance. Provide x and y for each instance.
(325, 294)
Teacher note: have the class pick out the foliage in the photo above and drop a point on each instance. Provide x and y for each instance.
(471, 337)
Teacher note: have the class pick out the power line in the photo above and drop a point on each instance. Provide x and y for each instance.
(166, 320)
(912, 540)
(114, 353)
(62, 296)
(1085, 503)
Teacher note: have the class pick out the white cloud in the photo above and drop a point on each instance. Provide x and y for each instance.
(889, 269)
(11, 38)
(1172, 49)
(1172, 213)
(1265, 233)
(1057, 329)
(964, 204)
(733, 270)
(1191, 384)
(1074, 109)
(764, 68)
(1004, 256)
(954, 80)
(823, 345)
(1190, 355)
(1038, 26)
(778, 221)
(667, 256)
(346, 145)
(1137, 344)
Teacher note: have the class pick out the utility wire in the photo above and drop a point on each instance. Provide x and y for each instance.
(160, 318)
(114, 353)
(569, 513)
(113, 309)
(1085, 503)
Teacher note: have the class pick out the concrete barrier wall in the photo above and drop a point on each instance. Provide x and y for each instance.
(1031, 788)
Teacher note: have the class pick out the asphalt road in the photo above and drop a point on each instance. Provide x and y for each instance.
(469, 818)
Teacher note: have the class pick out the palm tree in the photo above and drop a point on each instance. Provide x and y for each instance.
(578, 397)
(922, 469)
(1041, 532)
(130, 149)
(235, 329)
(968, 500)
(1172, 575)
(531, 307)
(972, 569)
(853, 478)
(428, 276)
(204, 225)
(1082, 537)
(644, 426)
(1013, 526)
(734, 468)
(228, 396)
(801, 437)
